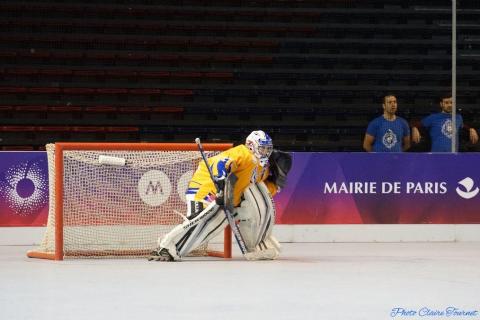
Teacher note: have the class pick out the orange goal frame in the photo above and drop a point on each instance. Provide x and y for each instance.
(60, 147)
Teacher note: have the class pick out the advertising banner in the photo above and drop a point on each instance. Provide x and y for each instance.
(354, 188)
(322, 188)
(23, 189)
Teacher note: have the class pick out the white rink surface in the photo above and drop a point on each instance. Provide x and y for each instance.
(310, 281)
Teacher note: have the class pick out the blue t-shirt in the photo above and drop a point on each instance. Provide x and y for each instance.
(439, 125)
(388, 134)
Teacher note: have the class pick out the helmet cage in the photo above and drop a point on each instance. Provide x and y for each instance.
(261, 146)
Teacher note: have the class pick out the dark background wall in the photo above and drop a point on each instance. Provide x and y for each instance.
(310, 73)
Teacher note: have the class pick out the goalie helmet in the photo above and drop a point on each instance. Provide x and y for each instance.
(261, 146)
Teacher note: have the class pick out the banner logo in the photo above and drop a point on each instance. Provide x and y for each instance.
(154, 188)
(182, 184)
(25, 187)
(469, 192)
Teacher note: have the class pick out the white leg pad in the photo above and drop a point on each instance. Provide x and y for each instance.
(191, 234)
(256, 215)
(257, 218)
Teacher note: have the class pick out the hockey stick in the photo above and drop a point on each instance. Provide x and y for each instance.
(228, 214)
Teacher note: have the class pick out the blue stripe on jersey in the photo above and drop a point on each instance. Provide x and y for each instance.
(192, 190)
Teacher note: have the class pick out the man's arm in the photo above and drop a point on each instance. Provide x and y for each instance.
(368, 142)
(416, 136)
(473, 136)
(406, 143)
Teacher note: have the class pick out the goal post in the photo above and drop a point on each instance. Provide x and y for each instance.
(116, 199)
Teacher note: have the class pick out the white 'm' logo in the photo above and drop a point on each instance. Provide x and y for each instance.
(467, 184)
(154, 188)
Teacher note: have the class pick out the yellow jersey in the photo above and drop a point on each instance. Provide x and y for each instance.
(239, 161)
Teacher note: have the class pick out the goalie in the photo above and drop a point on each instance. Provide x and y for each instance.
(250, 175)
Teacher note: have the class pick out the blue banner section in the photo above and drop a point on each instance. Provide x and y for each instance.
(323, 188)
(381, 188)
(23, 188)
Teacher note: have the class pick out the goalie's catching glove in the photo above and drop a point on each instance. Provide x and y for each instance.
(280, 165)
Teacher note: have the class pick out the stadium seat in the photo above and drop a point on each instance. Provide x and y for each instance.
(309, 71)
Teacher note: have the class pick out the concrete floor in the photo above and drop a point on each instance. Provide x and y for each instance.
(309, 281)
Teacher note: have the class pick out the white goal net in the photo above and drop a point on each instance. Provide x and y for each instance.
(117, 202)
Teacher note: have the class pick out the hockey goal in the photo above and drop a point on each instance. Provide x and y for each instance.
(116, 199)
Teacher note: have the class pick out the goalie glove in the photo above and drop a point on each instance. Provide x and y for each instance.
(225, 195)
(280, 165)
(220, 196)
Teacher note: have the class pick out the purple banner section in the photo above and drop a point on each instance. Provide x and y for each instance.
(23, 189)
(381, 188)
(323, 188)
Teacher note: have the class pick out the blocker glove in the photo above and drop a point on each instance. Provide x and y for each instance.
(220, 196)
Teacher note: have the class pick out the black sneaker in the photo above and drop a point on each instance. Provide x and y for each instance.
(160, 254)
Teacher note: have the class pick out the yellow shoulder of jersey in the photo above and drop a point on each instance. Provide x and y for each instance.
(238, 156)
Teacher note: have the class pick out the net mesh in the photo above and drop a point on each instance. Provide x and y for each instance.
(119, 210)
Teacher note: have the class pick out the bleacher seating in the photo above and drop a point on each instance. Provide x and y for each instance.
(311, 73)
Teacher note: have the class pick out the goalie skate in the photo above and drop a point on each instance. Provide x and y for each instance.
(160, 254)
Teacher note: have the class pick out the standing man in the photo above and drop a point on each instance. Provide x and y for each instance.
(388, 132)
(440, 128)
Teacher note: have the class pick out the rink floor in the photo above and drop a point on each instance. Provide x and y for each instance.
(309, 281)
